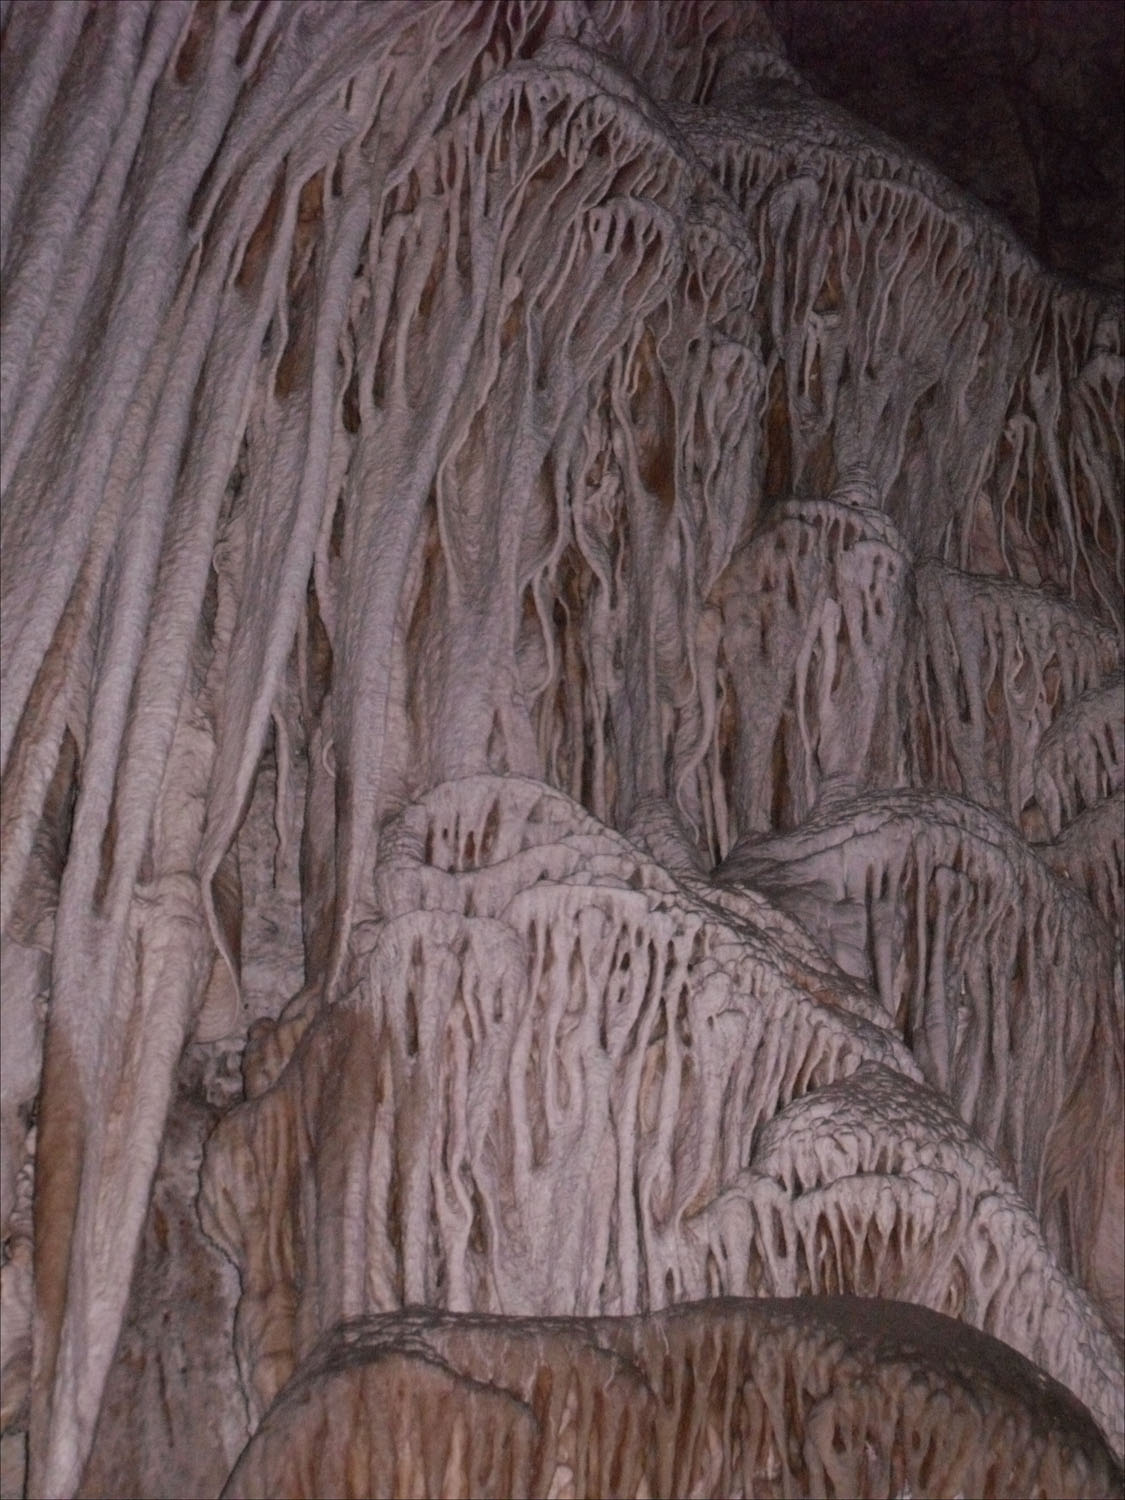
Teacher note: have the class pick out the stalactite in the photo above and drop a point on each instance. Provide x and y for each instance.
(1081, 758)
(995, 971)
(720, 1398)
(996, 666)
(562, 708)
(812, 629)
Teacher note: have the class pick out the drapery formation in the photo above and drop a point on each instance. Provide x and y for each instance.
(562, 619)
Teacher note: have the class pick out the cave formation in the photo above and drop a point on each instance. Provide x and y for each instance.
(563, 755)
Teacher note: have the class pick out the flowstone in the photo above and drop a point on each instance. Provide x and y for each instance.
(562, 752)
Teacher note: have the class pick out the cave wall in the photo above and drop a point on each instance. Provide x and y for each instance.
(563, 754)
(1021, 105)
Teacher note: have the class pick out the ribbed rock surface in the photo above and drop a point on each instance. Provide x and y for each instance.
(561, 740)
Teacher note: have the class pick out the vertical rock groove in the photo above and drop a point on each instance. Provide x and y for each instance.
(562, 763)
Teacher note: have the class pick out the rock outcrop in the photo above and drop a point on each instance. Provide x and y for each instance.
(562, 773)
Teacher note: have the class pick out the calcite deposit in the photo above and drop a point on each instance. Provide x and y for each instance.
(563, 750)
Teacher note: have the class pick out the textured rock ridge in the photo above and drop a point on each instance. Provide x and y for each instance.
(838, 1396)
(561, 738)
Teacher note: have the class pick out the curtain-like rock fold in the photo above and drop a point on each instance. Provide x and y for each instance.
(562, 740)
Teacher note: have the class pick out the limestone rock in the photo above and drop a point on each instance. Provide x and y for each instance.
(561, 745)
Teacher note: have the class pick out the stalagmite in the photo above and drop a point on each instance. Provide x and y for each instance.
(562, 745)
